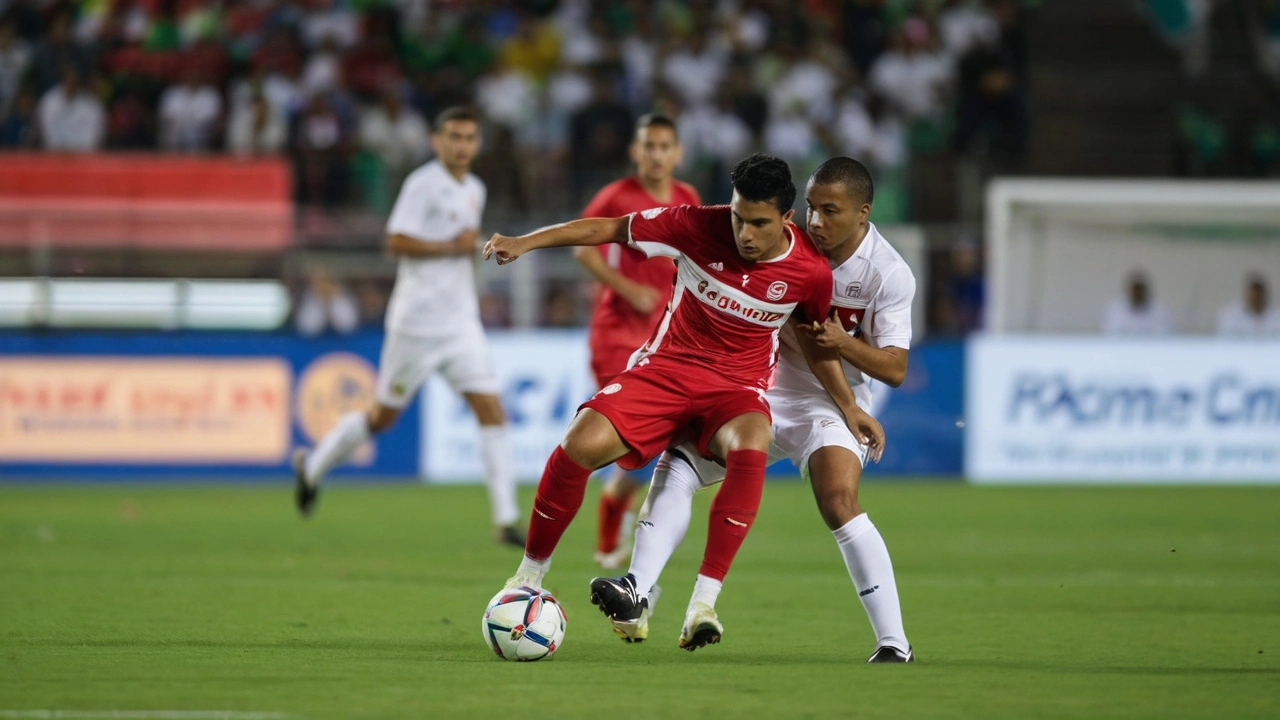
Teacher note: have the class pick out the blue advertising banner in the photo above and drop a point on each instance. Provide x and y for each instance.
(135, 405)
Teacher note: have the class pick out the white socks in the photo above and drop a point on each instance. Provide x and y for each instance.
(350, 433)
(867, 560)
(536, 570)
(705, 590)
(664, 519)
(499, 474)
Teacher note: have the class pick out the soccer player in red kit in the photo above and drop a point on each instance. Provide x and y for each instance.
(635, 292)
(741, 271)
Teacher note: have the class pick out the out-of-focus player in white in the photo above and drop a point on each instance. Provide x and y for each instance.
(433, 321)
(871, 328)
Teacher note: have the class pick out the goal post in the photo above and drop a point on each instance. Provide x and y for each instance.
(1058, 250)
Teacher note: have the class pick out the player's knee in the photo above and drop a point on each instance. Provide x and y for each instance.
(592, 442)
(382, 418)
(487, 409)
(838, 506)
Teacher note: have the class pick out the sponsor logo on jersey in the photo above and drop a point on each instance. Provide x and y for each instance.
(853, 289)
(610, 389)
(728, 304)
(652, 213)
(716, 266)
(776, 291)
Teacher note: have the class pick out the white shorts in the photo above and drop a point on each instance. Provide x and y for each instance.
(802, 424)
(462, 358)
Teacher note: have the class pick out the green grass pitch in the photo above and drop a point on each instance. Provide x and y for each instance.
(1021, 602)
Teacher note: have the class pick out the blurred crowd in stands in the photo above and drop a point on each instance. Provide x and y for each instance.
(346, 88)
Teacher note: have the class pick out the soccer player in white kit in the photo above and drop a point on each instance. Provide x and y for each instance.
(871, 329)
(433, 321)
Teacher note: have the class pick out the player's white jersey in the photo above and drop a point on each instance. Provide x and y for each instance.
(872, 289)
(433, 296)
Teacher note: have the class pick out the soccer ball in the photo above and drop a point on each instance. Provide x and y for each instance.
(523, 624)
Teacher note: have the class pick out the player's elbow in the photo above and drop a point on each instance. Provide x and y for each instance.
(392, 243)
(895, 376)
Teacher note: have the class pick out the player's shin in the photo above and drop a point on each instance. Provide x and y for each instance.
(560, 494)
(499, 474)
(664, 520)
(351, 431)
(733, 510)
(867, 559)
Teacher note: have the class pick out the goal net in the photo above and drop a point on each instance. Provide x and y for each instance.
(1058, 251)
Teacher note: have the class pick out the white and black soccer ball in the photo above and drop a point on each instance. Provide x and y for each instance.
(523, 624)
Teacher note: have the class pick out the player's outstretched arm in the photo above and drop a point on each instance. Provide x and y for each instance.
(887, 364)
(587, 231)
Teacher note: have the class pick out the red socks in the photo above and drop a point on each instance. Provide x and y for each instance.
(560, 493)
(733, 510)
(609, 514)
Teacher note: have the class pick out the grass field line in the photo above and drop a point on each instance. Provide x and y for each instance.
(140, 715)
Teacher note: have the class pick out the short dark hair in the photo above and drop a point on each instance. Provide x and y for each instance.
(649, 120)
(457, 112)
(848, 172)
(764, 178)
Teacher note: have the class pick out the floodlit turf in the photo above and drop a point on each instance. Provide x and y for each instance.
(1027, 602)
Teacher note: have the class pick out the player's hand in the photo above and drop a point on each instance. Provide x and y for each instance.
(642, 298)
(830, 333)
(502, 248)
(867, 430)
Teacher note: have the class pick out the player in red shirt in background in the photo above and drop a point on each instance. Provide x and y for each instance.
(634, 296)
(741, 271)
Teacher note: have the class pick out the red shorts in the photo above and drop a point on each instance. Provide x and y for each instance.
(609, 360)
(660, 403)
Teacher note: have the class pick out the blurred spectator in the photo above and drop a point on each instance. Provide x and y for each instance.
(189, 114)
(326, 304)
(535, 48)
(807, 82)
(71, 117)
(57, 51)
(863, 30)
(330, 22)
(716, 139)
(321, 144)
(790, 135)
(1137, 313)
(1254, 317)
(14, 57)
(694, 68)
(600, 135)
(911, 76)
(508, 97)
(256, 128)
(639, 56)
(561, 308)
(18, 128)
(964, 25)
(871, 132)
(396, 134)
(992, 103)
(323, 70)
(131, 121)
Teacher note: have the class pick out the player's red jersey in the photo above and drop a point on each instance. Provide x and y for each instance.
(617, 329)
(725, 312)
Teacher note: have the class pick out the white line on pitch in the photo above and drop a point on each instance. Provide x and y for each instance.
(140, 715)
